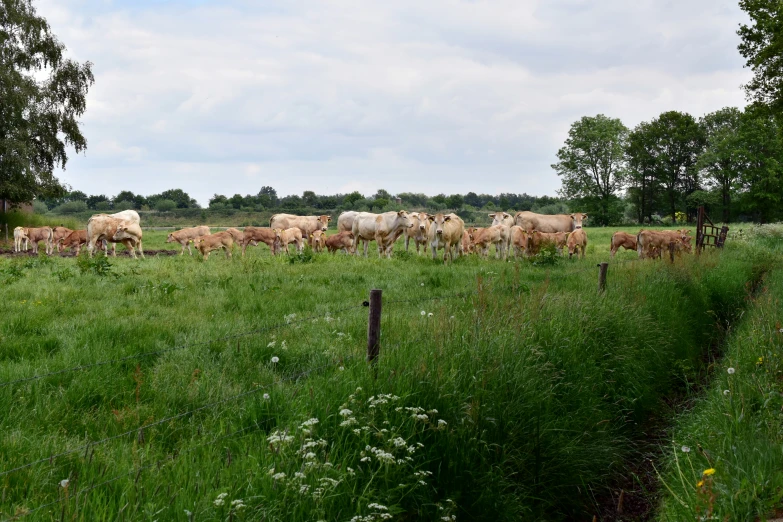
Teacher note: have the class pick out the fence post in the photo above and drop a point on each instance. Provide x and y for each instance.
(6, 232)
(374, 326)
(671, 251)
(602, 268)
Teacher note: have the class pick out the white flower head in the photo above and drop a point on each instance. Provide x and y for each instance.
(685, 449)
(64, 483)
(423, 313)
(345, 412)
(726, 392)
(342, 368)
(430, 314)
(266, 396)
(271, 344)
(275, 359)
(731, 371)
(422, 284)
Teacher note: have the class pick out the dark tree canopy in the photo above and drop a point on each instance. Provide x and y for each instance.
(762, 48)
(42, 95)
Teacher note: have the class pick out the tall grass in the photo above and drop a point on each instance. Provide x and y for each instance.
(518, 400)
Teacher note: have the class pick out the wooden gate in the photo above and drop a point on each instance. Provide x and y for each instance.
(707, 234)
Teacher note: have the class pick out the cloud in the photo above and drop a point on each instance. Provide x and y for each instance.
(439, 96)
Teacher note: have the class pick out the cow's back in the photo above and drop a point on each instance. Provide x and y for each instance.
(544, 223)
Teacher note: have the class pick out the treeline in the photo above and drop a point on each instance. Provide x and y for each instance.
(267, 200)
(730, 161)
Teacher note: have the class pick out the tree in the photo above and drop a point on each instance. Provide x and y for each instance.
(42, 95)
(92, 201)
(722, 159)
(592, 164)
(165, 205)
(382, 194)
(310, 199)
(455, 201)
(270, 193)
(762, 48)
(641, 155)
(762, 148)
(350, 199)
(178, 196)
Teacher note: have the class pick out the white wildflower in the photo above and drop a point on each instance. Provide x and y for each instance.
(342, 368)
(685, 449)
(283, 345)
(309, 423)
(433, 412)
(430, 314)
(348, 422)
(299, 475)
(441, 423)
(345, 412)
(726, 392)
(365, 459)
(303, 489)
(422, 284)
(218, 502)
(351, 471)
(423, 313)
(237, 504)
(731, 371)
(188, 513)
(422, 483)
(279, 476)
(64, 483)
(420, 417)
(399, 442)
(309, 455)
(357, 431)
(271, 344)
(379, 507)
(290, 317)
(266, 396)
(275, 359)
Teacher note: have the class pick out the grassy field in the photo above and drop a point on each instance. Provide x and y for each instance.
(504, 390)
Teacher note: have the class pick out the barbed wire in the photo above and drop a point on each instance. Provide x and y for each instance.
(143, 355)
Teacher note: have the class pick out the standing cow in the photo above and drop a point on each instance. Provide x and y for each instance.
(446, 232)
(383, 228)
(418, 231)
(577, 241)
(545, 223)
(306, 224)
(60, 233)
(186, 236)
(345, 221)
(99, 230)
(36, 235)
(20, 236)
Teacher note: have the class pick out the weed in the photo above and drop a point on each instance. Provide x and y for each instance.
(305, 256)
(98, 265)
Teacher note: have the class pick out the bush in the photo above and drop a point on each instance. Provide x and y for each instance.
(165, 205)
(123, 205)
(103, 206)
(71, 207)
(39, 207)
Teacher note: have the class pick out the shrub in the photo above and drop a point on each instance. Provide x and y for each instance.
(71, 207)
(165, 205)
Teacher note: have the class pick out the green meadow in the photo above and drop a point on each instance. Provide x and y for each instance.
(171, 388)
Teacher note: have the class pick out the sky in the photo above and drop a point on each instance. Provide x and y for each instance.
(433, 96)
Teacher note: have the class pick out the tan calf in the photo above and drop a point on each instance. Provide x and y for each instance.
(518, 240)
(206, 244)
(495, 235)
(36, 235)
(317, 240)
(649, 240)
(577, 243)
(186, 236)
(20, 236)
(60, 233)
(129, 234)
(418, 231)
(622, 239)
(342, 241)
(255, 235)
(75, 240)
(536, 240)
(288, 236)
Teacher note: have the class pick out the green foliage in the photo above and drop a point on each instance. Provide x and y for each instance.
(165, 205)
(11, 274)
(592, 164)
(762, 48)
(547, 256)
(42, 95)
(762, 153)
(71, 207)
(305, 256)
(98, 264)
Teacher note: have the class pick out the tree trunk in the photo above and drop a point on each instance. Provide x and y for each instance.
(726, 202)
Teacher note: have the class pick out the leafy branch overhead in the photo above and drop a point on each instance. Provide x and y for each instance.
(42, 96)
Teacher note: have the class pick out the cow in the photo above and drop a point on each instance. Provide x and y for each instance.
(505, 219)
(466, 245)
(518, 240)
(59, 234)
(255, 235)
(129, 234)
(186, 236)
(545, 223)
(577, 243)
(648, 240)
(446, 231)
(471, 232)
(340, 241)
(290, 235)
(345, 221)
(536, 239)
(306, 224)
(622, 239)
(496, 235)
(418, 231)
(216, 241)
(317, 239)
(36, 235)
(20, 236)
(383, 228)
(75, 240)
(99, 230)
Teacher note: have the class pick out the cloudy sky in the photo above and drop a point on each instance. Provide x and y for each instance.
(225, 96)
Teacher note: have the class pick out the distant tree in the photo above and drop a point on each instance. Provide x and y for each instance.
(218, 199)
(42, 95)
(71, 207)
(93, 201)
(271, 194)
(178, 196)
(165, 205)
(642, 158)
(762, 48)
(472, 199)
(350, 199)
(592, 164)
(77, 195)
(236, 201)
(379, 203)
(310, 199)
(410, 199)
(123, 205)
(762, 178)
(382, 194)
(128, 196)
(722, 160)
(291, 202)
(103, 205)
(455, 201)
(440, 199)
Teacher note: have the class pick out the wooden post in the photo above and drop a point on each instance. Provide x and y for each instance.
(602, 268)
(671, 251)
(6, 232)
(374, 326)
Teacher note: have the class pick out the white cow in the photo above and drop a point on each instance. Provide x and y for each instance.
(20, 236)
(446, 232)
(383, 228)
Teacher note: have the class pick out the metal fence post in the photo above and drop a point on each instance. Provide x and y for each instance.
(602, 268)
(374, 326)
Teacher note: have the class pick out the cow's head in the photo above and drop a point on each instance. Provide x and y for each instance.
(122, 233)
(578, 217)
(170, 239)
(324, 221)
(403, 218)
(499, 218)
(437, 221)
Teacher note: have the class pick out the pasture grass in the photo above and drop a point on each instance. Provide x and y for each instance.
(504, 390)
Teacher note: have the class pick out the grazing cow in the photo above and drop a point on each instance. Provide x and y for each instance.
(471, 232)
(577, 241)
(20, 235)
(496, 235)
(186, 236)
(75, 240)
(288, 236)
(340, 241)
(420, 225)
(345, 221)
(306, 224)
(59, 234)
(536, 239)
(649, 240)
(216, 241)
(466, 245)
(383, 228)
(518, 240)
(446, 231)
(129, 234)
(317, 239)
(622, 239)
(45, 234)
(545, 223)
(255, 235)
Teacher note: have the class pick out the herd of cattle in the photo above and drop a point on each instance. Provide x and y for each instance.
(524, 233)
